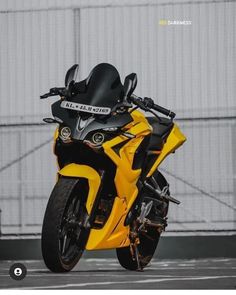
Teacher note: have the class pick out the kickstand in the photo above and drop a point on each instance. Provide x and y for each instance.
(137, 258)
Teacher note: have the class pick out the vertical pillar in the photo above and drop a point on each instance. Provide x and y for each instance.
(234, 168)
(20, 186)
(0, 222)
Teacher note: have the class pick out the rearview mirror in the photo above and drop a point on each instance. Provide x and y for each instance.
(130, 84)
(71, 75)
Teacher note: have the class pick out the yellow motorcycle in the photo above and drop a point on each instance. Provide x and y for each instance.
(109, 193)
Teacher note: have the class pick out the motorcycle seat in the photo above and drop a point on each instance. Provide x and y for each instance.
(160, 132)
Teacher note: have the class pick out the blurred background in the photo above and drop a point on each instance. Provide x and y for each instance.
(189, 68)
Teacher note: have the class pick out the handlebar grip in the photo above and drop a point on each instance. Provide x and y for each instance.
(164, 111)
(148, 103)
(44, 96)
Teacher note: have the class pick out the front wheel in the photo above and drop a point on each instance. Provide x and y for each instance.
(63, 239)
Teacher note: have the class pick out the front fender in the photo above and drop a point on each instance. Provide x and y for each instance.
(84, 171)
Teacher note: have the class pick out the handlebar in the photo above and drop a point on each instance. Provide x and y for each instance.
(164, 111)
(55, 91)
(147, 103)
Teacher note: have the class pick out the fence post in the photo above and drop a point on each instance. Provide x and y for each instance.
(21, 195)
(0, 222)
(234, 168)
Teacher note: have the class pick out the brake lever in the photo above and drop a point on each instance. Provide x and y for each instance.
(138, 101)
(142, 106)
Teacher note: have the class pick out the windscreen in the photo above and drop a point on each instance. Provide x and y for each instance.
(102, 92)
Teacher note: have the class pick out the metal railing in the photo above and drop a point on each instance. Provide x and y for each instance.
(201, 175)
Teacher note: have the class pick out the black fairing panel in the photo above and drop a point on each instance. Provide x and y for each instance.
(72, 119)
(141, 153)
(160, 132)
(118, 121)
(68, 117)
(162, 128)
(156, 143)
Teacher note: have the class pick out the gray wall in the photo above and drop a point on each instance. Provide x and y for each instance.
(189, 69)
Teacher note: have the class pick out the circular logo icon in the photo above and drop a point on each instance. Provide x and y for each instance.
(65, 133)
(18, 271)
(98, 138)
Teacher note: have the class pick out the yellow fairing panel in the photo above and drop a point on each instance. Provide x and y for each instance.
(114, 234)
(126, 178)
(84, 171)
(175, 139)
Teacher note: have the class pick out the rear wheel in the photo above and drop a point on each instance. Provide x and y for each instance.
(147, 239)
(63, 238)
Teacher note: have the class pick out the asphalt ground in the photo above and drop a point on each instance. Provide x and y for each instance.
(108, 274)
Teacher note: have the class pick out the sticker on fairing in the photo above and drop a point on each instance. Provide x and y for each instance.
(85, 108)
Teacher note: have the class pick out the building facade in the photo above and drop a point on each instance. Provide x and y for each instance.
(184, 55)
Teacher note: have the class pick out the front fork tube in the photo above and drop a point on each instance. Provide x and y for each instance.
(90, 219)
(135, 208)
(130, 219)
(134, 211)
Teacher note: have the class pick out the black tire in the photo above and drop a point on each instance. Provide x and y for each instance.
(65, 191)
(146, 249)
(149, 240)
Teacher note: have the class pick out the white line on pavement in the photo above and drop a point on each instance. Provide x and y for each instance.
(126, 282)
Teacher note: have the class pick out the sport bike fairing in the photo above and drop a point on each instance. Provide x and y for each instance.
(102, 89)
(90, 109)
(81, 126)
(109, 192)
(114, 233)
(85, 114)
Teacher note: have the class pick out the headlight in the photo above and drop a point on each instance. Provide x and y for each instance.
(98, 138)
(65, 133)
(95, 140)
(111, 129)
